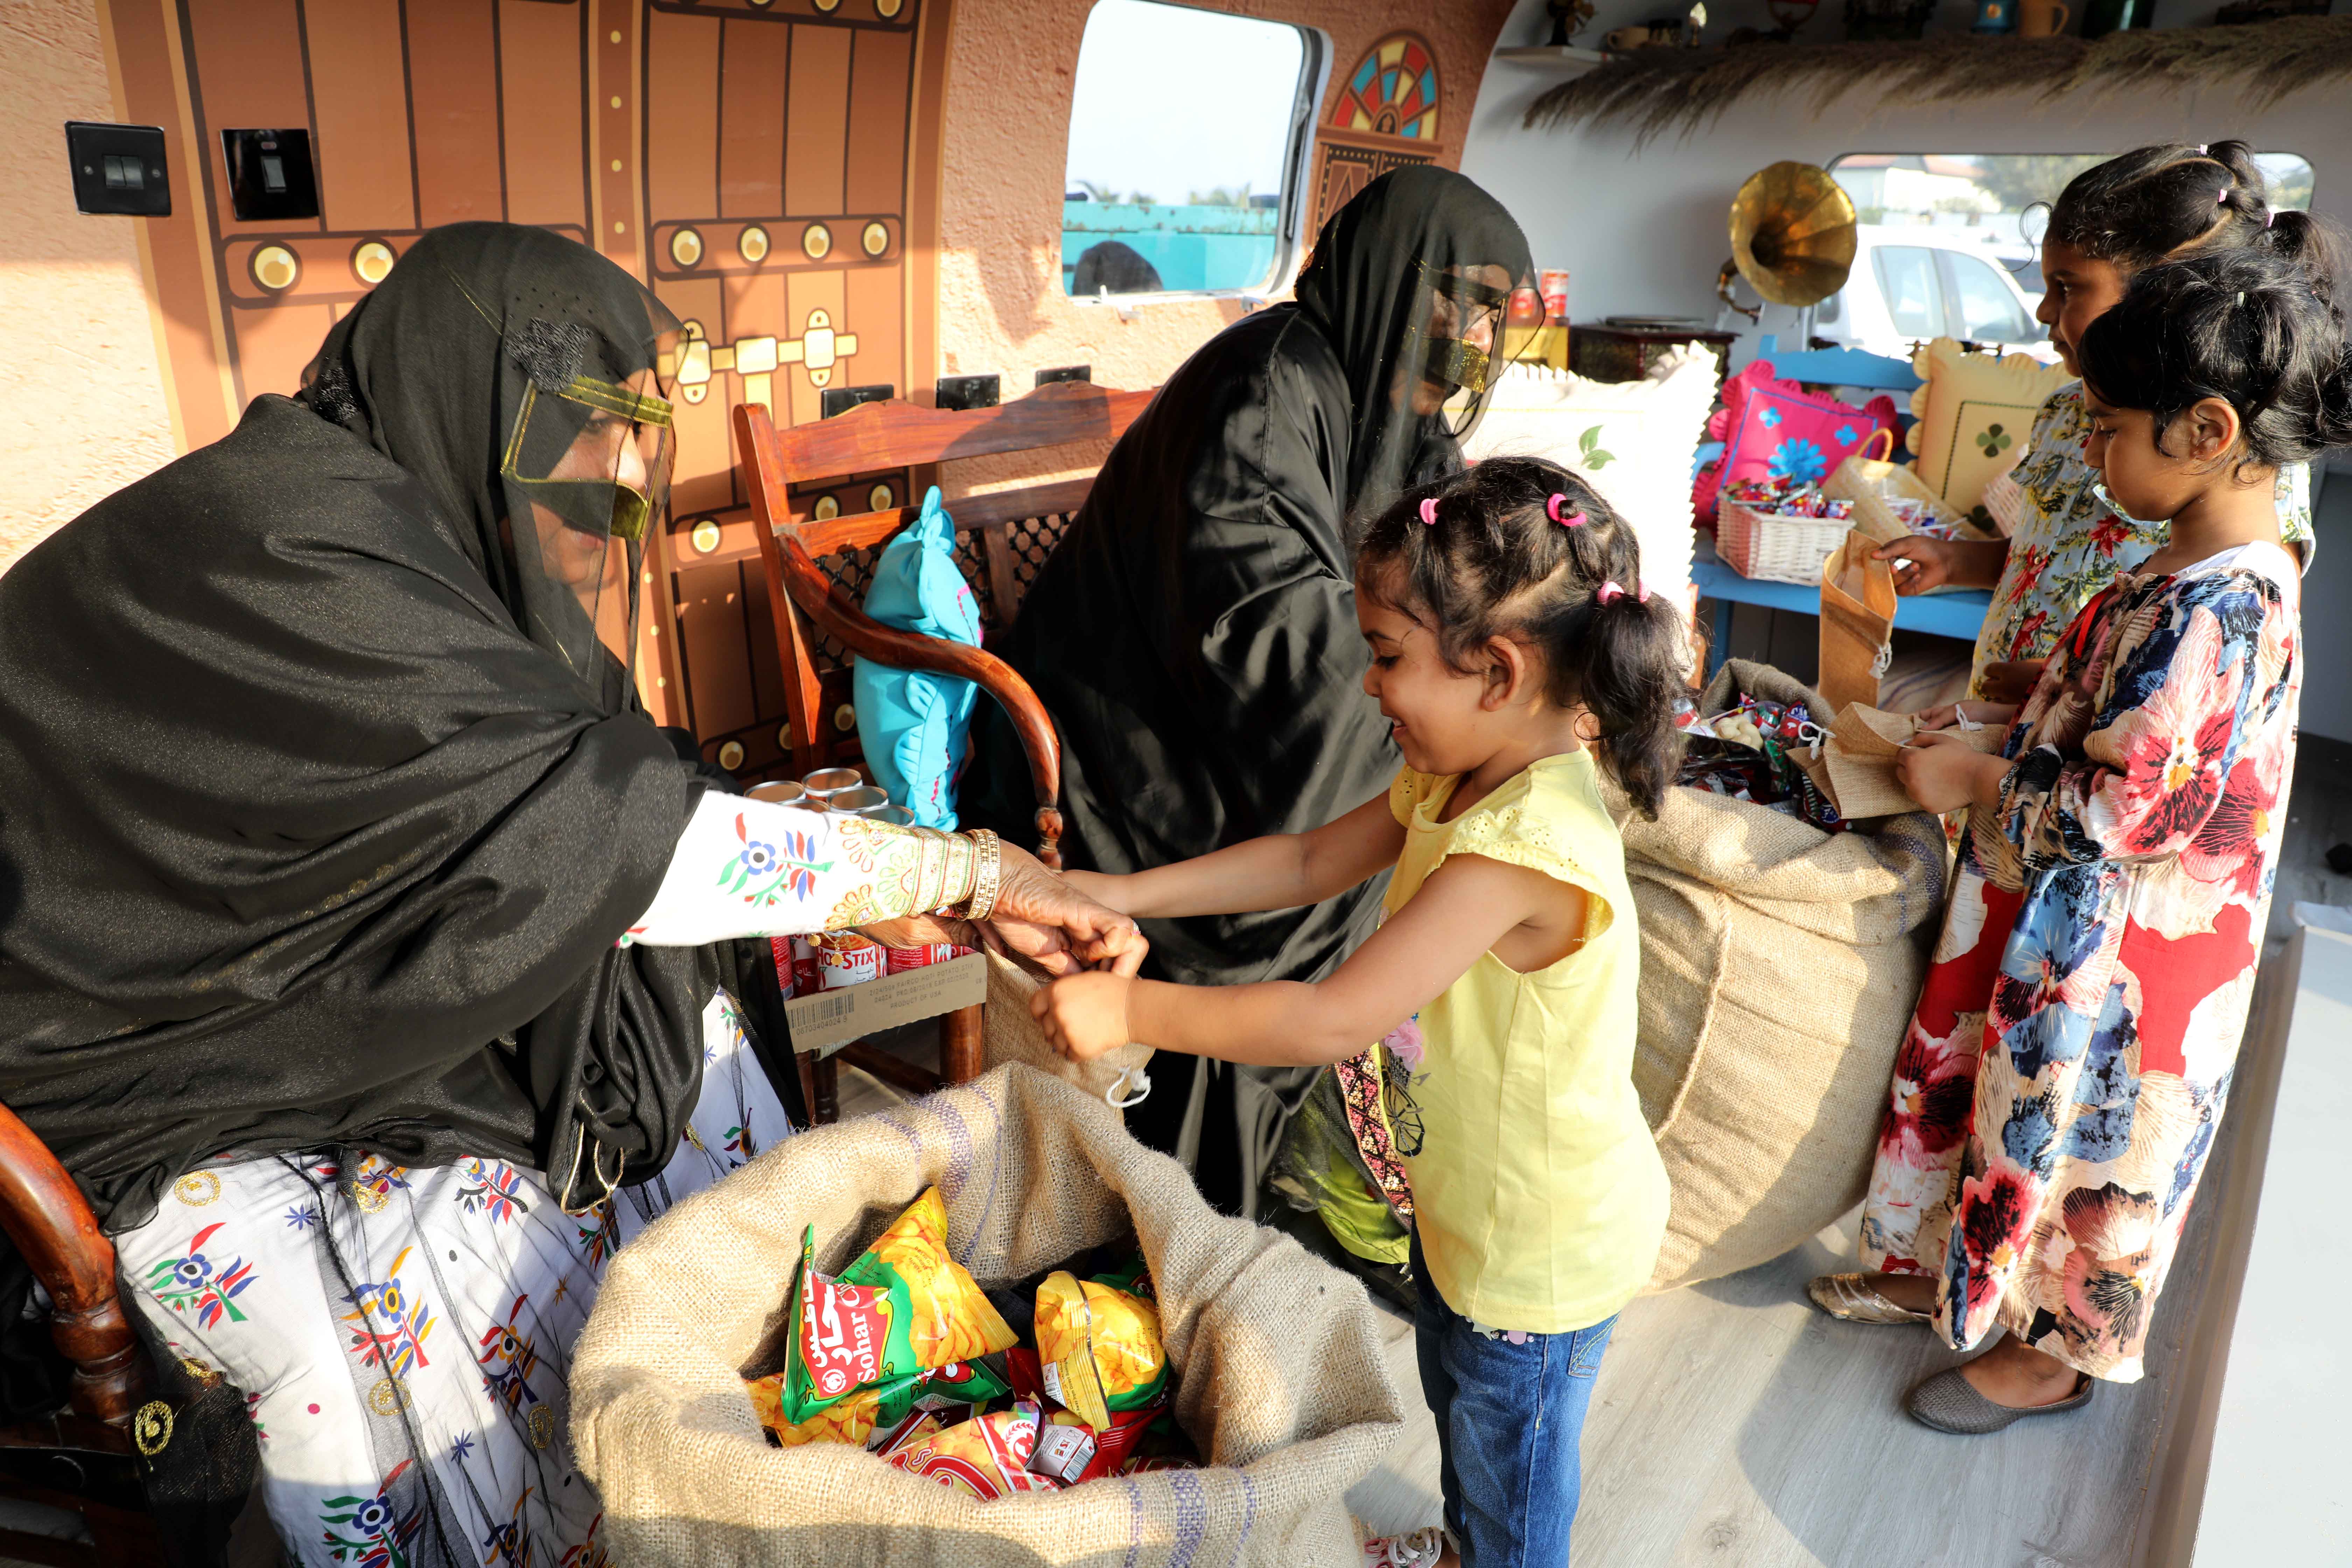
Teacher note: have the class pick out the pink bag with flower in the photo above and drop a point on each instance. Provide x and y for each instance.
(1772, 428)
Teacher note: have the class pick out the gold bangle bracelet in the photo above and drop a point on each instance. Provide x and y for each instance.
(987, 875)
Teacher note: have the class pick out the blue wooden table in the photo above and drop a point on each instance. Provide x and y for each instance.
(1955, 615)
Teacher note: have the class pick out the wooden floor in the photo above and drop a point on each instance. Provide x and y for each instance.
(1734, 1424)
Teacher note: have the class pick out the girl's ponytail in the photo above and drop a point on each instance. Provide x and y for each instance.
(1624, 664)
(2315, 248)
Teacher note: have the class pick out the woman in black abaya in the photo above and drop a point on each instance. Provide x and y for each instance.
(360, 943)
(1194, 634)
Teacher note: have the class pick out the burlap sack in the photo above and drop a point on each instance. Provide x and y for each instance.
(1008, 1034)
(1779, 966)
(1282, 1382)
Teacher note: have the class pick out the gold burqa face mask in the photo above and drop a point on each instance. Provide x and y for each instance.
(1457, 305)
(565, 449)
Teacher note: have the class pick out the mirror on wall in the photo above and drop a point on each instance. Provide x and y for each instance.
(1188, 133)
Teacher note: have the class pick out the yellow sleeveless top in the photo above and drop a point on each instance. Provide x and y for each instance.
(1537, 1193)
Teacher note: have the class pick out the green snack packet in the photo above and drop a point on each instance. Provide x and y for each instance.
(902, 1309)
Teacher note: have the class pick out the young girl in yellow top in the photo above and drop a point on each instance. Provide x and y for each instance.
(1515, 653)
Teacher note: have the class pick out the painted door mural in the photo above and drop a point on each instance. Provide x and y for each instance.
(769, 166)
(1384, 116)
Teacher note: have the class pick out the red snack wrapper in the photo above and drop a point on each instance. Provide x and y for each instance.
(898, 960)
(779, 948)
(804, 978)
(986, 1458)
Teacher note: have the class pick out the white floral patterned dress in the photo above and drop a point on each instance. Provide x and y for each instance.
(2065, 543)
(403, 1337)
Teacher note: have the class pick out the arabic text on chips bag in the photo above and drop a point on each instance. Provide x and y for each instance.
(903, 1306)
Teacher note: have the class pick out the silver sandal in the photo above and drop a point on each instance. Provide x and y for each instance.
(1950, 1402)
(1850, 1299)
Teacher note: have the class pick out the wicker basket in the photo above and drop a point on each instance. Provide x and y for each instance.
(1779, 547)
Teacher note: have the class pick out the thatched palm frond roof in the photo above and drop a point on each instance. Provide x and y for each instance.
(1657, 90)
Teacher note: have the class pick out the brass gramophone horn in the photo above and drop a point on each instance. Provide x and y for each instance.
(1792, 234)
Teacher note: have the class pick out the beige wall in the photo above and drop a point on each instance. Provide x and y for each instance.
(81, 398)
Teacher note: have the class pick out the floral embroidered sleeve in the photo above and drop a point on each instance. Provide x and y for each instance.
(2156, 757)
(751, 867)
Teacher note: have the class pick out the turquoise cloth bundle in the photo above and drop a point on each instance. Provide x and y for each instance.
(911, 722)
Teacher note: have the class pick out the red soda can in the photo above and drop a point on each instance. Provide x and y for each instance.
(804, 976)
(898, 960)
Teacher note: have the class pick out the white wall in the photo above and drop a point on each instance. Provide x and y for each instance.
(1643, 229)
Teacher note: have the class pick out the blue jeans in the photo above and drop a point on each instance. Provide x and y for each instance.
(1510, 1420)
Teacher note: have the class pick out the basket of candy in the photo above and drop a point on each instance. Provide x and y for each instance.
(1778, 529)
(986, 1328)
(1891, 501)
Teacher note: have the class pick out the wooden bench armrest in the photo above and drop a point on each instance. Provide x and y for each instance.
(839, 616)
(54, 1229)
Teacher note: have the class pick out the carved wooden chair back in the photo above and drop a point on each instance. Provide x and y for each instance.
(817, 566)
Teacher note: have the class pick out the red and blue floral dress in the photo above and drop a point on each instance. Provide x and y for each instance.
(2059, 1088)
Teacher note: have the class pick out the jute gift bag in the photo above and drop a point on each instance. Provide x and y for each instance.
(1859, 760)
(1857, 618)
(1282, 1383)
(1779, 966)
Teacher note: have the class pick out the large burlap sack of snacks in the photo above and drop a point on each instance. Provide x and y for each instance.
(1779, 966)
(1281, 1383)
(1008, 1034)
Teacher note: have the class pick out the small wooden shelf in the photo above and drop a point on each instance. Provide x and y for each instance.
(1566, 59)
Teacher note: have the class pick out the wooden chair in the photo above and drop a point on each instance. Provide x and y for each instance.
(79, 1458)
(817, 570)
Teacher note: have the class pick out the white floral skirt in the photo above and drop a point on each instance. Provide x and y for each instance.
(404, 1351)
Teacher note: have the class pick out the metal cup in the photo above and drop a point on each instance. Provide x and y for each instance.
(898, 815)
(857, 801)
(779, 792)
(825, 783)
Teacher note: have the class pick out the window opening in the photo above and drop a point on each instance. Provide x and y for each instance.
(1188, 134)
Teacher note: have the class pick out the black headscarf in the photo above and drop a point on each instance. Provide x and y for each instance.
(323, 799)
(1369, 286)
(1194, 637)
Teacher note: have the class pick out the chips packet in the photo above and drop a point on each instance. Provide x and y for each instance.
(902, 1308)
(986, 1458)
(884, 1407)
(1098, 1347)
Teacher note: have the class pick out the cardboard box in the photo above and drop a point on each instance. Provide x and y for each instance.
(827, 1020)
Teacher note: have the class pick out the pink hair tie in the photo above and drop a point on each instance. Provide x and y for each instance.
(1428, 513)
(1643, 584)
(2222, 196)
(2269, 219)
(1551, 511)
(1608, 593)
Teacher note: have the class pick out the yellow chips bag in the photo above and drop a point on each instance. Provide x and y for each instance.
(1098, 1347)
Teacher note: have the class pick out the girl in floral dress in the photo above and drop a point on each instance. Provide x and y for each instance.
(2064, 541)
(2059, 1088)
